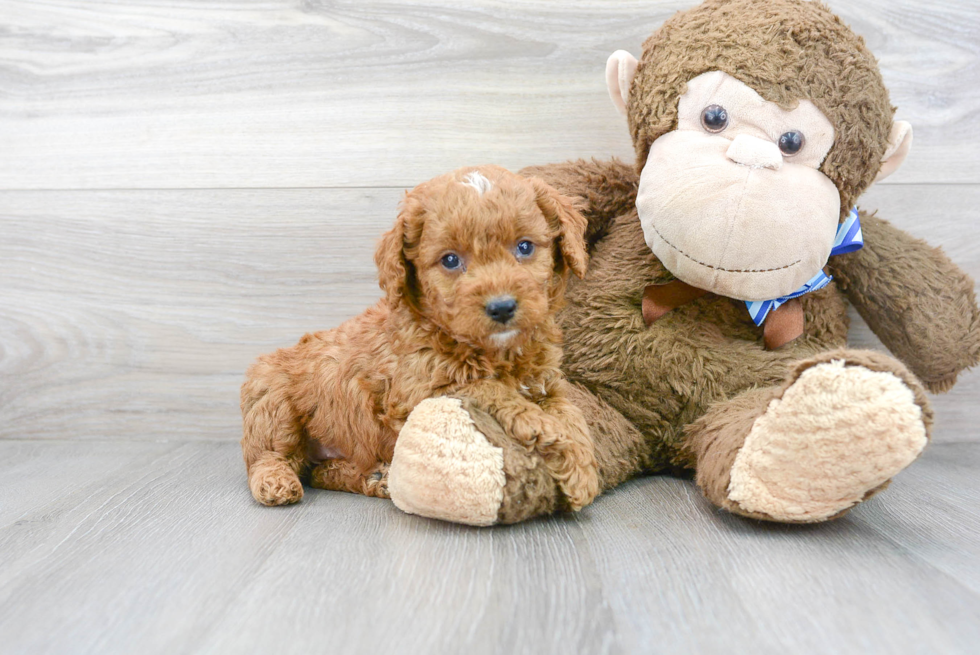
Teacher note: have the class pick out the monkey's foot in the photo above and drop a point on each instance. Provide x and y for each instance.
(444, 467)
(836, 436)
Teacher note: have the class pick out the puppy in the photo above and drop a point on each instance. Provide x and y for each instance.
(473, 271)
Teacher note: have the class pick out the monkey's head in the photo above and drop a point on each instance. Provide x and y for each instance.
(757, 124)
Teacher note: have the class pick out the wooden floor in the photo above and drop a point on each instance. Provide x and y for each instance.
(185, 185)
(138, 547)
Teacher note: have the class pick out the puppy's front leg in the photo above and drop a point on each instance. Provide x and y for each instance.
(559, 434)
(518, 416)
(572, 449)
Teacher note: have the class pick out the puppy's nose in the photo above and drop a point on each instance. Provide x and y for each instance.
(501, 308)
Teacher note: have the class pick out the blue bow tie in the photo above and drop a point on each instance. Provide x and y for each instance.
(848, 239)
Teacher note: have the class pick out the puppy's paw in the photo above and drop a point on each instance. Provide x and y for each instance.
(581, 487)
(532, 427)
(377, 483)
(274, 483)
(577, 473)
(570, 455)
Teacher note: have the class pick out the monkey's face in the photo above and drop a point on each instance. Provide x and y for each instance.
(733, 200)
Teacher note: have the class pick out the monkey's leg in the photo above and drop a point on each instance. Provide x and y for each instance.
(453, 461)
(831, 436)
(272, 447)
(343, 475)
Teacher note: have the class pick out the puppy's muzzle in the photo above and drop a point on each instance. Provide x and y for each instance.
(502, 308)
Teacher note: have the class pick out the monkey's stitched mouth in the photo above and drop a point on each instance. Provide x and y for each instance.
(719, 268)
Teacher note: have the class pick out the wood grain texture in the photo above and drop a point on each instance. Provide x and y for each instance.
(283, 93)
(133, 314)
(159, 548)
(186, 185)
(148, 543)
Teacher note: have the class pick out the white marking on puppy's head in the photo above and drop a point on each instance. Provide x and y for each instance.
(476, 180)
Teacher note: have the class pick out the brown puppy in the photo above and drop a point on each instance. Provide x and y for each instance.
(473, 271)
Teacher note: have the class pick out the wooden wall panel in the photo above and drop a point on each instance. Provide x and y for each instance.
(134, 314)
(120, 94)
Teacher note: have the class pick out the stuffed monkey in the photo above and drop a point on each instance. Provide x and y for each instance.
(709, 335)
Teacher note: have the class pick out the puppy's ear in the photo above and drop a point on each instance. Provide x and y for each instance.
(571, 227)
(396, 272)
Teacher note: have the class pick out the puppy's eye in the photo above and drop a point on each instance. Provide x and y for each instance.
(525, 249)
(451, 261)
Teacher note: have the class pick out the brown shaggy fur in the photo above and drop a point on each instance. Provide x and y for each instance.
(331, 407)
(682, 394)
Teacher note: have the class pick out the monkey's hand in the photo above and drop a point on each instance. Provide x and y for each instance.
(601, 190)
(919, 303)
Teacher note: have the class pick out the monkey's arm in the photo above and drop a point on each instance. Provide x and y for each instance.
(920, 304)
(602, 190)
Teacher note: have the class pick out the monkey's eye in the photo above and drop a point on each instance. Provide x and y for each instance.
(791, 143)
(714, 118)
(451, 261)
(525, 249)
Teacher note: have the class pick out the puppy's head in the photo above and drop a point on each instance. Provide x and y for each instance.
(483, 253)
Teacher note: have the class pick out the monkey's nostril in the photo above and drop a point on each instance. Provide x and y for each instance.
(502, 308)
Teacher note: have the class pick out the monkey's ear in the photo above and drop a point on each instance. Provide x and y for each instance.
(571, 227)
(899, 144)
(396, 274)
(620, 69)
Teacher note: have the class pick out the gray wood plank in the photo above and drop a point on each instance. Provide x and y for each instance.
(931, 511)
(143, 560)
(170, 554)
(229, 93)
(440, 588)
(133, 314)
(32, 479)
(691, 578)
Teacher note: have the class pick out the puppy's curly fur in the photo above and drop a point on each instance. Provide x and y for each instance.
(330, 408)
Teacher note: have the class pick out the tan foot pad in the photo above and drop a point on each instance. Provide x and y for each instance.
(444, 468)
(837, 433)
